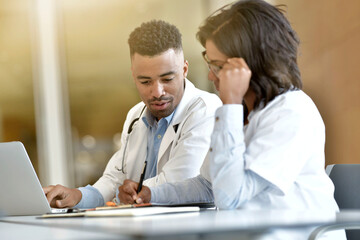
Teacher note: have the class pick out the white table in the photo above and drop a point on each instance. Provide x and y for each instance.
(15, 231)
(204, 225)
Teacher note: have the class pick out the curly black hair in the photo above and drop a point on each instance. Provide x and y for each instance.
(261, 34)
(153, 38)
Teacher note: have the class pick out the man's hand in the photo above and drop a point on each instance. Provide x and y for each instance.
(60, 197)
(234, 80)
(128, 195)
(127, 192)
(144, 195)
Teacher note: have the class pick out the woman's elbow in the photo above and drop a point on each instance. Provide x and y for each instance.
(226, 202)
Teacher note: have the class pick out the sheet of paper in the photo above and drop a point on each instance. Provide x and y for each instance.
(125, 212)
(140, 211)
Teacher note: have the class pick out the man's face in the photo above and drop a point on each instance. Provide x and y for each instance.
(160, 80)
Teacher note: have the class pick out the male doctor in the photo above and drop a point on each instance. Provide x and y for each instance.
(170, 128)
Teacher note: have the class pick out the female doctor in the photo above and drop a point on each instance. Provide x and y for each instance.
(273, 157)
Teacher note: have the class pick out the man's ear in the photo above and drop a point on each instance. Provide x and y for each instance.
(186, 68)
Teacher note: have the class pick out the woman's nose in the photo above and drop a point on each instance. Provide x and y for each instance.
(211, 76)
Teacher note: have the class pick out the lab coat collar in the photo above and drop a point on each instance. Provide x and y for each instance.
(187, 96)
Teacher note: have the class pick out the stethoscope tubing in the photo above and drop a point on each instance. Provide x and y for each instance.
(130, 129)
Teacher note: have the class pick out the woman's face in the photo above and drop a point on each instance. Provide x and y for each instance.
(215, 60)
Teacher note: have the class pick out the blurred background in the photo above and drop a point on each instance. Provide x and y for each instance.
(66, 85)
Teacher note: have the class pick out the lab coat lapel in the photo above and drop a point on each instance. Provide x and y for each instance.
(167, 140)
(179, 115)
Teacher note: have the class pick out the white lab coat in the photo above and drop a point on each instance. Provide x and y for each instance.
(182, 149)
(283, 144)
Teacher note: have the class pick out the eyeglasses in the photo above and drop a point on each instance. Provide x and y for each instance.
(214, 65)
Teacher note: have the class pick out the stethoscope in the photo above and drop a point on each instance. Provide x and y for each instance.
(131, 126)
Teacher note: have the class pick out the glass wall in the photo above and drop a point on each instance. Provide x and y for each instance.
(17, 111)
(86, 42)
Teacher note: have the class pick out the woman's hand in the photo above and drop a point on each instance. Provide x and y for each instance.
(234, 80)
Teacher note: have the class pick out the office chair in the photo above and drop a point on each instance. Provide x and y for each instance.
(346, 179)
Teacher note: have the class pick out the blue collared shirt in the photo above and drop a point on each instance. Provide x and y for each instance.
(156, 131)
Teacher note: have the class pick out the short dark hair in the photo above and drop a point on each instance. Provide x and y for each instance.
(153, 38)
(261, 34)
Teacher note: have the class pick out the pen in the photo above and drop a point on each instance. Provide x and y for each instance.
(141, 178)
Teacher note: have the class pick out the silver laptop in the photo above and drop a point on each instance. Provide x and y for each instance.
(21, 192)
